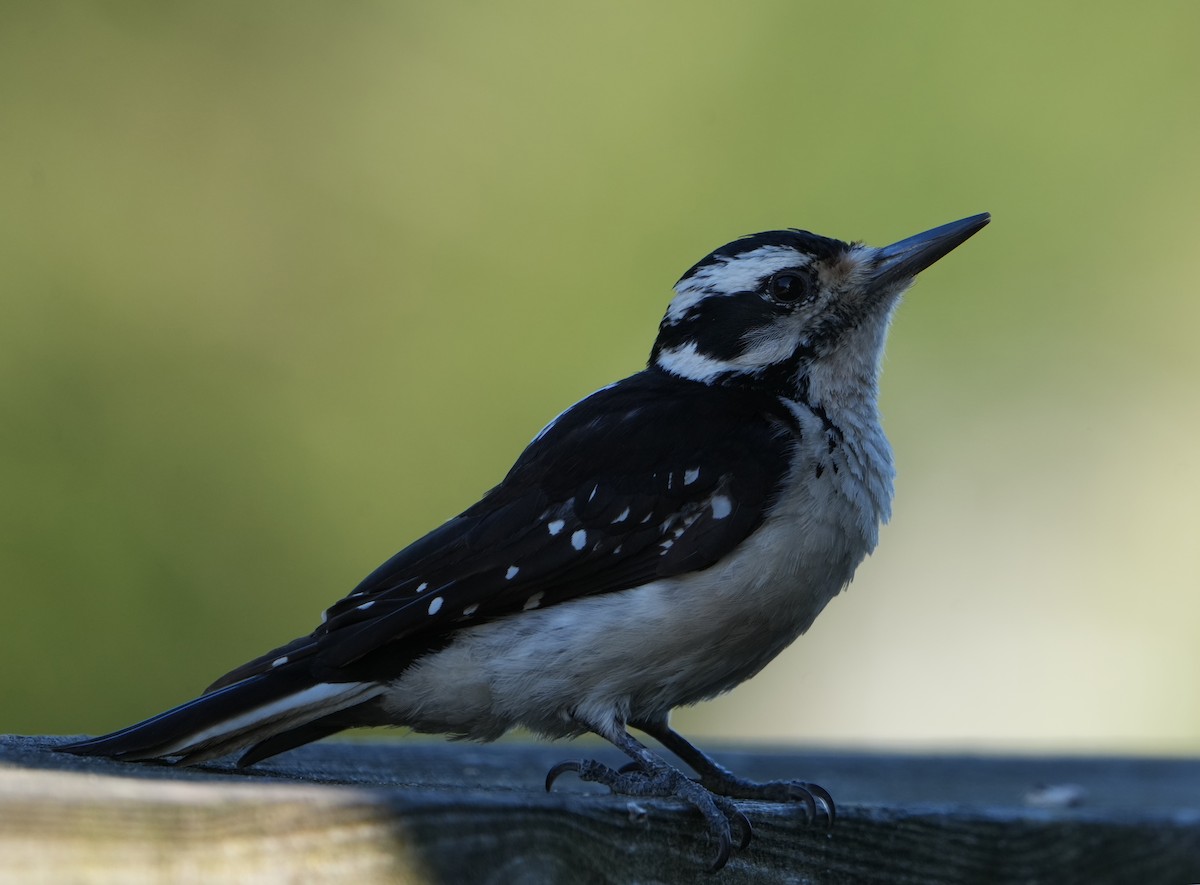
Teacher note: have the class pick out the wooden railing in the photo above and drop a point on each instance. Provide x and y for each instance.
(412, 812)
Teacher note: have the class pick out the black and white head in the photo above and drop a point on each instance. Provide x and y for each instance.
(794, 311)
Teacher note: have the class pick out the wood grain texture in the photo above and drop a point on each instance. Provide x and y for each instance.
(438, 812)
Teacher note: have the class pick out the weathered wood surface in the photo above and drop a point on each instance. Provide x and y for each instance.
(437, 812)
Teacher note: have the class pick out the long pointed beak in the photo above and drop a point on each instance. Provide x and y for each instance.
(907, 258)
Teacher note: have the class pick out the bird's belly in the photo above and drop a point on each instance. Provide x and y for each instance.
(632, 654)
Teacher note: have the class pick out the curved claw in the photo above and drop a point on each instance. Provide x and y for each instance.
(747, 830)
(826, 800)
(560, 769)
(803, 794)
(723, 849)
(723, 829)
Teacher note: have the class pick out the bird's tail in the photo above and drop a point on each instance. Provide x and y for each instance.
(266, 713)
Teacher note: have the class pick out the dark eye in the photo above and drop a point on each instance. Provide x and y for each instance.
(790, 287)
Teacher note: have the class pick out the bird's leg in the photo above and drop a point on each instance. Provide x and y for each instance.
(721, 781)
(650, 775)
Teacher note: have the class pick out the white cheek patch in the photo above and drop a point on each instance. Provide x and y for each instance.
(688, 362)
(768, 346)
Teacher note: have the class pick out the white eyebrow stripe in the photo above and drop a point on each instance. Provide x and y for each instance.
(728, 276)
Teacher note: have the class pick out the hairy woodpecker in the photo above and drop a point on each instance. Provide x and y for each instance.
(655, 545)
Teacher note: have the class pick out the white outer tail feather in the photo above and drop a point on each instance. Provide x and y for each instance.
(290, 711)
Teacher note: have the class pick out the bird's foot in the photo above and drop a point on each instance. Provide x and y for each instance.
(808, 795)
(720, 813)
(717, 779)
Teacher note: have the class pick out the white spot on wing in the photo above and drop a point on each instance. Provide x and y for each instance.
(690, 476)
(555, 527)
(721, 506)
(471, 609)
(279, 662)
(622, 516)
(365, 605)
(533, 601)
(424, 585)
(512, 572)
(579, 539)
(435, 605)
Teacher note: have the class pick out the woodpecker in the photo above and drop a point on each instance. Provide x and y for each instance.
(655, 545)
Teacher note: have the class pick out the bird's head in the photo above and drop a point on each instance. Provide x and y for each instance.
(792, 310)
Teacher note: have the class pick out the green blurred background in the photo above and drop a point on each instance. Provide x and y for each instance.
(284, 284)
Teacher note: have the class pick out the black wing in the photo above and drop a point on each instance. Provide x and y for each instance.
(647, 478)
